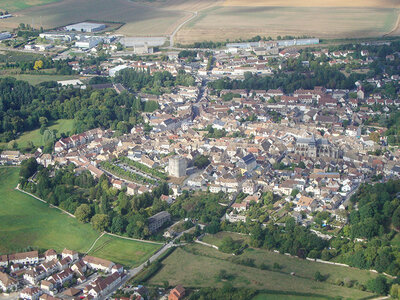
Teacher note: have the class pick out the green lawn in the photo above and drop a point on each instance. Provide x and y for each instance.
(24, 221)
(216, 239)
(265, 296)
(126, 252)
(13, 5)
(34, 79)
(36, 138)
(198, 266)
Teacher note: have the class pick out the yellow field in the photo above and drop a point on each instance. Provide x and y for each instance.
(233, 22)
(223, 19)
(315, 3)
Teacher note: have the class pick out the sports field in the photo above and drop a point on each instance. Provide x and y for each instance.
(198, 266)
(25, 221)
(126, 252)
(36, 138)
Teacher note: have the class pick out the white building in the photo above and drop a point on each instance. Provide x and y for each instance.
(177, 166)
(85, 27)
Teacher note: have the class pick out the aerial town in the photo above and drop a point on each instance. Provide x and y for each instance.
(268, 155)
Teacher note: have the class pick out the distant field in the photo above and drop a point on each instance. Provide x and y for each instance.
(36, 79)
(141, 19)
(232, 22)
(24, 221)
(126, 252)
(36, 138)
(201, 270)
(218, 19)
(265, 296)
(315, 3)
(13, 5)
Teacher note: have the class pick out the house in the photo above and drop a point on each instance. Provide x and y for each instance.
(240, 206)
(177, 293)
(25, 258)
(50, 255)
(3, 260)
(306, 203)
(30, 293)
(248, 162)
(98, 263)
(73, 255)
(7, 283)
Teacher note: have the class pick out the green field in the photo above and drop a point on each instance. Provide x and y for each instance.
(13, 5)
(36, 138)
(24, 221)
(36, 79)
(266, 296)
(126, 252)
(216, 239)
(198, 266)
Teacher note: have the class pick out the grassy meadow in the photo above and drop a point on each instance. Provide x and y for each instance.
(199, 266)
(36, 138)
(126, 252)
(34, 79)
(25, 221)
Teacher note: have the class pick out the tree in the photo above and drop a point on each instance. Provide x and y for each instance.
(117, 225)
(201, 161)
(28, 168)
(396, 218)
(378, 285)
(82, 213)
(38, 65)
(100, 222)
(318, 276)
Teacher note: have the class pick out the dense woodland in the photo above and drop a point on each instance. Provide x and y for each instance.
(329, 77)
(25, 107)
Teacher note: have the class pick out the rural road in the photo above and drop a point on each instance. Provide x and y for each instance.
(172, 37)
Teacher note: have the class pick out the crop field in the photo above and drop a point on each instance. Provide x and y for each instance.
(126, 252)
(199, 266)
(13, 5)
(24, 221)
(36, 138)
(140, 18)
(233, 22)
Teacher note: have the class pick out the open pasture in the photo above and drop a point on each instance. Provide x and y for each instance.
(199, 266)
(25, 221)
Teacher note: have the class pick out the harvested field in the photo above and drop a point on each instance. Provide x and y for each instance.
(141, 18)
(315, 3)
(233, 22)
